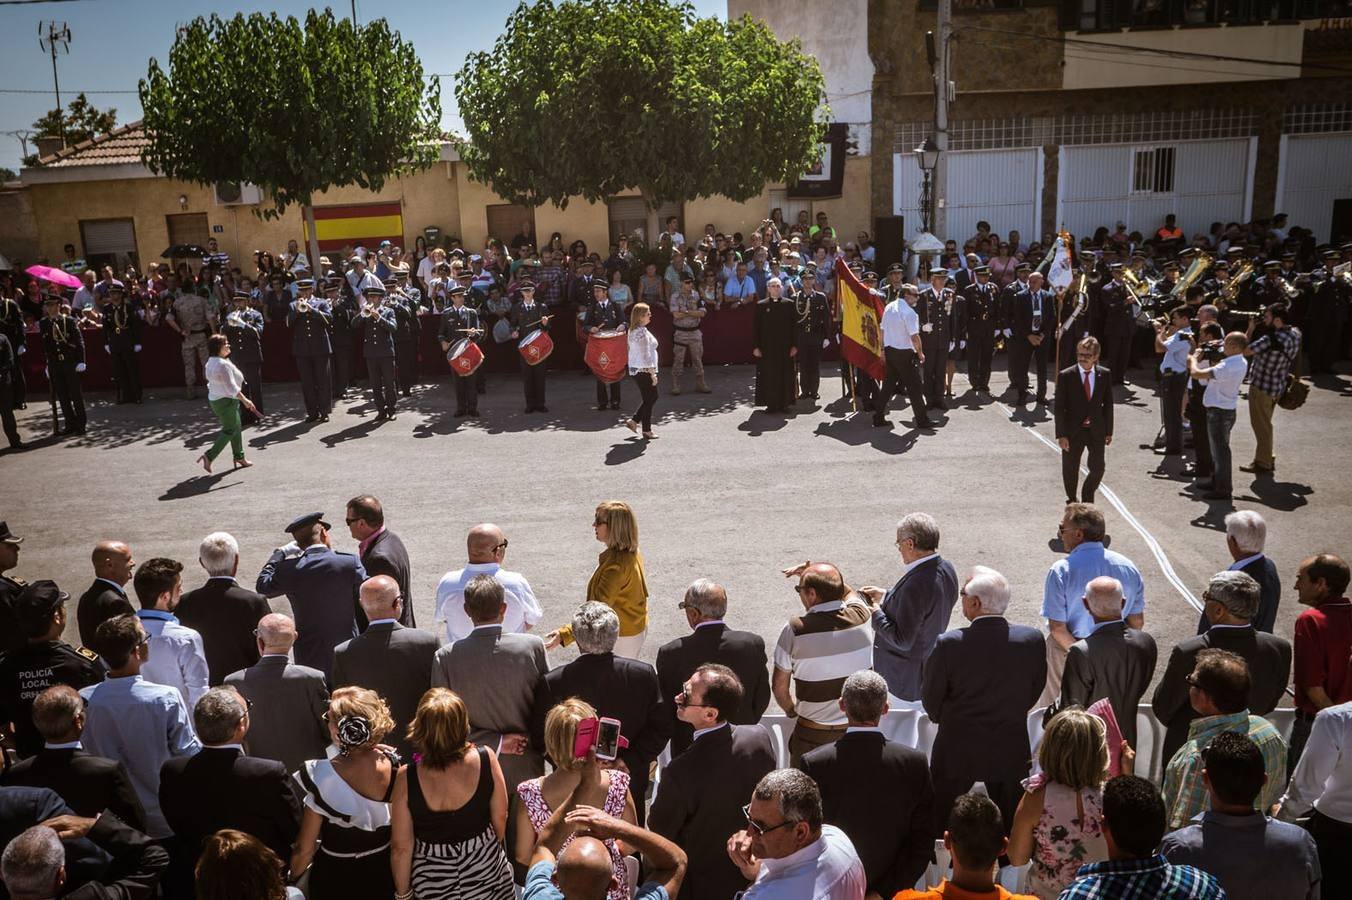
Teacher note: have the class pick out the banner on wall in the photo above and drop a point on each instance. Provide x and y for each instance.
(827, 178)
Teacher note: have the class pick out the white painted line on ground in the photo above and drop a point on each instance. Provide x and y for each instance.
(1160, 556)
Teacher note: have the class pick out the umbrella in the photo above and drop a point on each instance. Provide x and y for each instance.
(55, 276)
(185, 251)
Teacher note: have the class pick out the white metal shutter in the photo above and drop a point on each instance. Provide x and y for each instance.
(1316, 170)
(116, 236)
(630, 214)
(1002, 187)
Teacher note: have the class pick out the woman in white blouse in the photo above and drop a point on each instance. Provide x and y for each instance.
(225, 387)
(643, 367)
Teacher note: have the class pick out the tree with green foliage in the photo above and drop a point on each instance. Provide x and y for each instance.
(82, 121)
(598, 97)
(7, 174)
(293, 108)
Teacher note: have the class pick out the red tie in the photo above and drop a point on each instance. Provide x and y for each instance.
(1088, 391)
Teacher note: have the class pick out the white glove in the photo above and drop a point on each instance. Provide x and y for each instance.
(927, 327)
(107, 349)
(80, 367)
(952, 345)
(962, 345)
(826, 342)
(136, 349)
(1008, 333)
(22, 350)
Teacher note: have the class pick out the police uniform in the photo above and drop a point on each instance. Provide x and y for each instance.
(524, 319)
(39, 664)
(405, 337)
(12, 325)
(122, 339)
(64, 346)
(686, 337)
(1325, 315)
(10, 585)
(458, 323)
(192, 315)
(813, 323)
(344, 337)
(244, 327)
(377, 348)
(934, 310)
(311, 347)
(604, 315)
(983, 324)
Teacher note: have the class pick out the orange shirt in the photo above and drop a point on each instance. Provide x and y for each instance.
(946, 891)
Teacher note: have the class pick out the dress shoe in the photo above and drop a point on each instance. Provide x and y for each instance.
(924, 424)
(612, 406)
(324, 418)
(381, 417)
(1203, 484)
(406, 393)
(1255, 469)
(603, 407)
(312, 418)
(474, 414)
(881, 423)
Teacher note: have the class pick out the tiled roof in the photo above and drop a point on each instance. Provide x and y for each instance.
(122, 146)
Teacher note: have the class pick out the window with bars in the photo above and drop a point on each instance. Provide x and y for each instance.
(1153, 171)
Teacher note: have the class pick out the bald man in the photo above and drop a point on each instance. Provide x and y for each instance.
(487, 548)
(288, 700)
(107, 596)
(393, 661)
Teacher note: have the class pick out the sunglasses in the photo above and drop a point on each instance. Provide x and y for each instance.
(502, 546)
(757, 827)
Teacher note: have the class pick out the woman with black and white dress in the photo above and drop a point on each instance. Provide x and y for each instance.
(643, 368)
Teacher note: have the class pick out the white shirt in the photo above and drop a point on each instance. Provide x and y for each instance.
(826, 869)
(1093, 378)
(900, 323)
(1222, 388)
(176, 655)
(426, 269)
(1323, 778)
(642, 351)
(224, 379)
(523, 610)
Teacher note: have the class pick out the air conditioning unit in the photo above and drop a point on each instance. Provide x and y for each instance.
(236, 193)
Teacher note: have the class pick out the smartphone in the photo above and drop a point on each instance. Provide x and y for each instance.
(608, 738)
(586, 736)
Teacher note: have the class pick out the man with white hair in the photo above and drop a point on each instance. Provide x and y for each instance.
(221, 611)
(1114, 661)
(1245, 535)
(288, 700)
(980, 683)
(487, 548)
(33, 866)
(615, 686)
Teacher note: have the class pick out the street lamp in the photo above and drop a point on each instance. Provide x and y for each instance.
(927, 156)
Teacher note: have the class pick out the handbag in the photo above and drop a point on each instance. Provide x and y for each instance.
(1297, 391)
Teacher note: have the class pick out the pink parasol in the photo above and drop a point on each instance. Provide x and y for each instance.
(55, 276)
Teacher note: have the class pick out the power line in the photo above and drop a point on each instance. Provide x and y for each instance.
(40, 91)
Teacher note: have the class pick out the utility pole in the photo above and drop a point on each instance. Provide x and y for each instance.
(942, 77)
(354, 13)
(57, 37)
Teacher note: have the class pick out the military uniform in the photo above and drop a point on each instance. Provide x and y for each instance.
(9, 365)
(377, 348)
(1325, 316)
(934, 310)
(456, 324)
(524, 319)
(193, 316)
(813, 324)
(244, 328)
(311, 347)
(405, 341)
(983, 324)
(687, 338)
(11, 324)
(345, 312)
(11, 638)
(1119, 324)
(122, 339)
(64, 347)
(604, 315)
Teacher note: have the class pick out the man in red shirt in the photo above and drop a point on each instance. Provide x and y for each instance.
(1323, 645)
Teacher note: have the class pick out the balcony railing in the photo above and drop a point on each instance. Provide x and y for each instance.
(1113, 15)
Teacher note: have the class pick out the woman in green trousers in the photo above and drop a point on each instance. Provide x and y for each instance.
(225, 393)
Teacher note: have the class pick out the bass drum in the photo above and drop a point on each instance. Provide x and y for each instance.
(535, 347)
(465, 357)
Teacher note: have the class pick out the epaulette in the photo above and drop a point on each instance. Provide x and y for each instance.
(87, 654)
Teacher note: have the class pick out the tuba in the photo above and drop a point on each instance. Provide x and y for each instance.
(1231, 288)
(1195, 271)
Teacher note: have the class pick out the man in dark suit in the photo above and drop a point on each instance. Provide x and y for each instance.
(876, 791)
(89, 784)
(699, 801)
(381, 552)
(1245, 536)
(223, 613)
(933, 309)
(1034, 326)
(980, 683)
(1118, 323)
(219, 787)
(916, 610)
(393, 661)
(287, 700)
(77, 857)
(106, 597)
(1084, 419)
(712, 641)
(1114, 661)
(322, 585)
(615, 686)
(1229, 603)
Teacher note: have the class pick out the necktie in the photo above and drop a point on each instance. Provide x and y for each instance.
(1088, 392)
(1037, 311)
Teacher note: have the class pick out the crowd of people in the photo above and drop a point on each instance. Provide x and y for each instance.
(1262, 281)
(200, 743)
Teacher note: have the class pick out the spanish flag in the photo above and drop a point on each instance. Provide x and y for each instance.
(366, 224)
(861, 313)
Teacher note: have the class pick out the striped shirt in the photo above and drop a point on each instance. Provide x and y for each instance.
(821, 648)
(1185, 794)
(1154, 878)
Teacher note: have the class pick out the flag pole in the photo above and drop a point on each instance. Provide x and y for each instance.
(849, 379)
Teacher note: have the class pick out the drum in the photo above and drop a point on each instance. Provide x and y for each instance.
(464, 357)
(502, 331)
(535, 347)
(608, 355)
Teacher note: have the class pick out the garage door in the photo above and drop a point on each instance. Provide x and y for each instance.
(1198, 181)
(109, 242)
(1316, 171)
(1003, 187)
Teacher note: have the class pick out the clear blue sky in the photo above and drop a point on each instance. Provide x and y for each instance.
(113, 40)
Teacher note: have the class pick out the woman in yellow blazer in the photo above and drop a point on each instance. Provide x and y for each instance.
(618, 581)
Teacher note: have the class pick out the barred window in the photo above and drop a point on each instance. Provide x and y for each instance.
(1153, 172)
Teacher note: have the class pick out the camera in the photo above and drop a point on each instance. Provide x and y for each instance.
(1212, 351)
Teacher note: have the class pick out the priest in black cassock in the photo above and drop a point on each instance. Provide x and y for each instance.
(774, 349)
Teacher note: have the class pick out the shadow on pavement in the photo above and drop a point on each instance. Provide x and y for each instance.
(626, 451)
(859, 432)
(1283, 495)
(198, 485)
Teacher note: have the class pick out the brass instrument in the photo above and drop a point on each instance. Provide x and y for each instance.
(1230, 289)
(1343, 273)
(1140, 288)
(1196, 270)
(1289, 290)
(1081, 299)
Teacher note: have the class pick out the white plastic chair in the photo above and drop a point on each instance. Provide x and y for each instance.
(779, 727)
(903, 725)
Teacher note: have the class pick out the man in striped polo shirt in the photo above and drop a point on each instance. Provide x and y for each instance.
(818, 650)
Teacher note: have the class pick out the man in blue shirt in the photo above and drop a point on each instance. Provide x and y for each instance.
(1068, 620)
(1175, 341)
